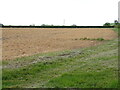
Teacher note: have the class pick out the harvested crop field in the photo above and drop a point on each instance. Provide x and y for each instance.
(18, 42)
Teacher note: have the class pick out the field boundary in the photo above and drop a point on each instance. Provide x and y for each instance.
(57, 26)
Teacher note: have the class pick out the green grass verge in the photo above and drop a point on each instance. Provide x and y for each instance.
(95, 67)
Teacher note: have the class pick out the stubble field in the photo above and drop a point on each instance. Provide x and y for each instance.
(18, 42)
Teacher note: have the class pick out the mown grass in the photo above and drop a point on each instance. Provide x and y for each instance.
(84, 80)
(95, 67)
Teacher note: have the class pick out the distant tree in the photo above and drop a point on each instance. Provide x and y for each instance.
(1, 25)
(47, 25)
(107, 24)
(116, 22)
(32, 25)
(43, 25)
(73, 25)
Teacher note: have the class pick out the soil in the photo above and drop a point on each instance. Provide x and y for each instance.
(18, 42)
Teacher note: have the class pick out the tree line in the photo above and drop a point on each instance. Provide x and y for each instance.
(115, 24)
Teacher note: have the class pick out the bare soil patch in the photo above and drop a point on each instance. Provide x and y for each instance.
(18, 42)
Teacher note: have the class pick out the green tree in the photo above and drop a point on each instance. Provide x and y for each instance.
(116, 22)
(107, 24)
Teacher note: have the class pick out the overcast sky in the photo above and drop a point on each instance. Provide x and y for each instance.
(79, 12)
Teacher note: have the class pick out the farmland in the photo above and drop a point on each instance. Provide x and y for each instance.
(18, 42)
(60, 58)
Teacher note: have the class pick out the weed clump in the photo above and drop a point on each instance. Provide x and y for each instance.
(98, 39)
